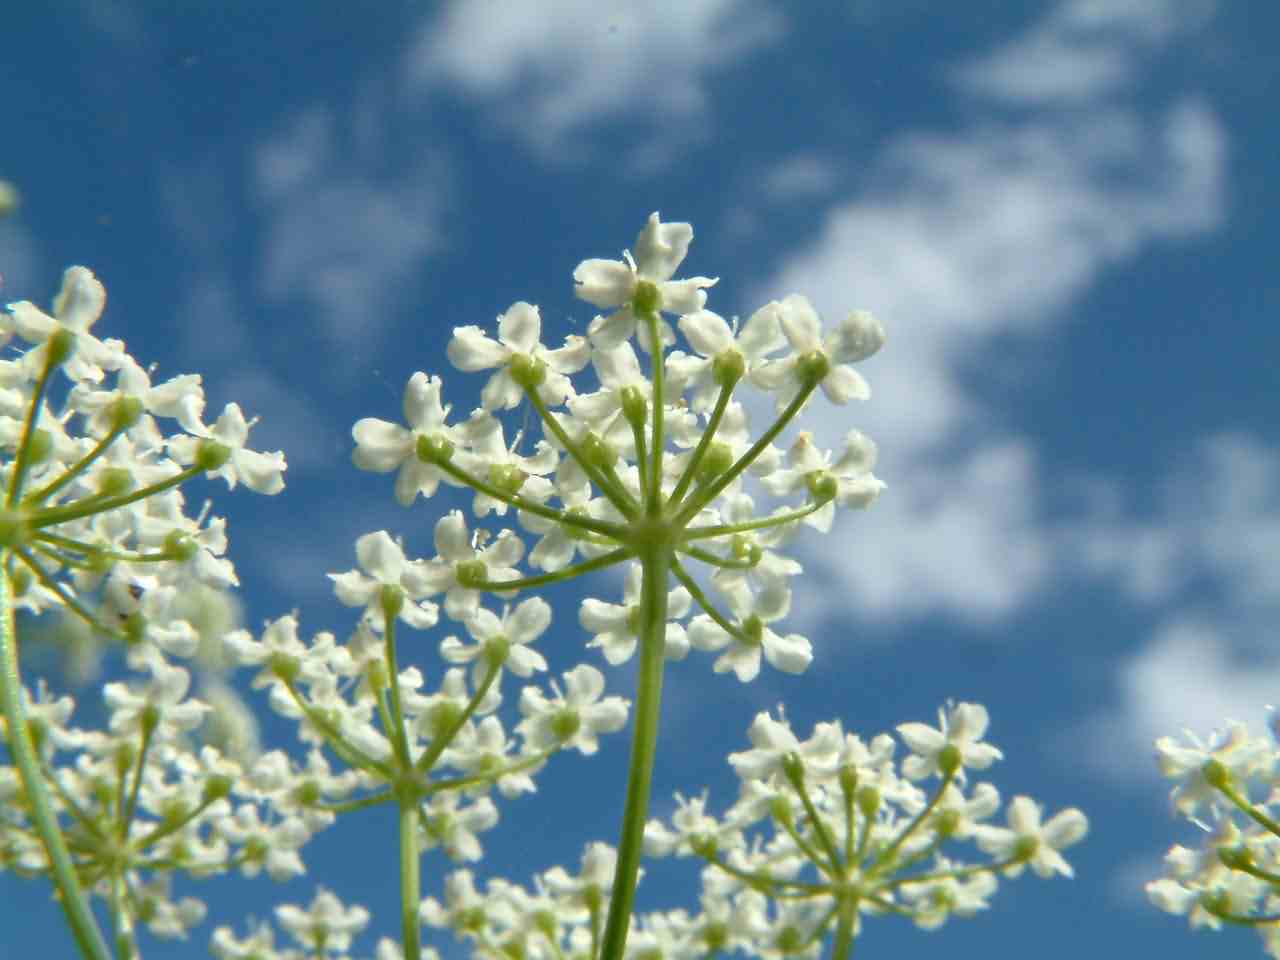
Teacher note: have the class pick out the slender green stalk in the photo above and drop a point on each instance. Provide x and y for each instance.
(557, 576)
(848, 911)
(80, 918)
(713, 424)
(396, 733)
(614, 492)
(410, 878)
(656, 562)
(659, 443)
(694, 503)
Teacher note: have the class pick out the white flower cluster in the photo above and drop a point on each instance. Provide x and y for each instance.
(831, 828)
(92, 506)
(324, 931)
(1229, 788)
(846, 832)
(93, 526)
(637, 464)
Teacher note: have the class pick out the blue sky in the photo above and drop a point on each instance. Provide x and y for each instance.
(1062, 212)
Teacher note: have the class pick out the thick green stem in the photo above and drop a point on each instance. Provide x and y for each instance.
(410, 879)
(656, 563)
(79, 917)
(848, 911)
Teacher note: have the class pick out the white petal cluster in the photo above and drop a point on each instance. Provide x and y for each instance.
(1229, 788)
(627, 436)
(834, 813)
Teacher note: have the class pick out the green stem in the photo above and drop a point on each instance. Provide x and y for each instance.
(53, 486)
(614, 492)
(763, 523)
(84, 928)
(440, 742)
(848, 911)
(704, 601)
(22, 459)
(658, 445)
(690, 508)
(656, 563)
(590, 524)
(399, 739)
(410, 878)
(700, 451)
(556, 576)
(90, 507)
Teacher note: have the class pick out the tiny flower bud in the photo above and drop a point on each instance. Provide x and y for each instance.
(496, 650)
(60, 345)
(14, 528)
(528, 372)
(507, 477)
(391, 601)
(565, 724)
(949, 759)
(813, 367)
(728, 368)
(180, 547)
(471, 573)
(646, 299)
(40, 447)
(434, 448)
(634, 406)
(718, 459)
(211, 455)
(823, 487)
(114, 481)
(125, 412)
(868, 801)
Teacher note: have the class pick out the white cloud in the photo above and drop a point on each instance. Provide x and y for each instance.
(550, 68)
(1212, 657)
(340, 235)
(959, 242)
(1082, 51)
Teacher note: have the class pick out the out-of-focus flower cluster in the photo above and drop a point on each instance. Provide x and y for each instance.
(825, 831)
(91, 505)
(1229, 787)
(94, 527)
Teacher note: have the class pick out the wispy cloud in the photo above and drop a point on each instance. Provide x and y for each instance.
(958, 242)
(547, 70)
(342, 232)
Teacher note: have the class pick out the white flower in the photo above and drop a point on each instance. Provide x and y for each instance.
(160, 703)
(453, 828)
(573, 718)
(752, 636)
(617, 627)
(1027, 840)
(724, 350)
(518, 346)
(384, 559)
(462, 563)
(1234, 753)
(77, 307)
(489, 459)
(660, 249)
(382, 447)
(855, 339)
(504, 640)
(772, 743)
(260, 472)
(961, 728)
(273, 846)
(181, 397)
(325, 923)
